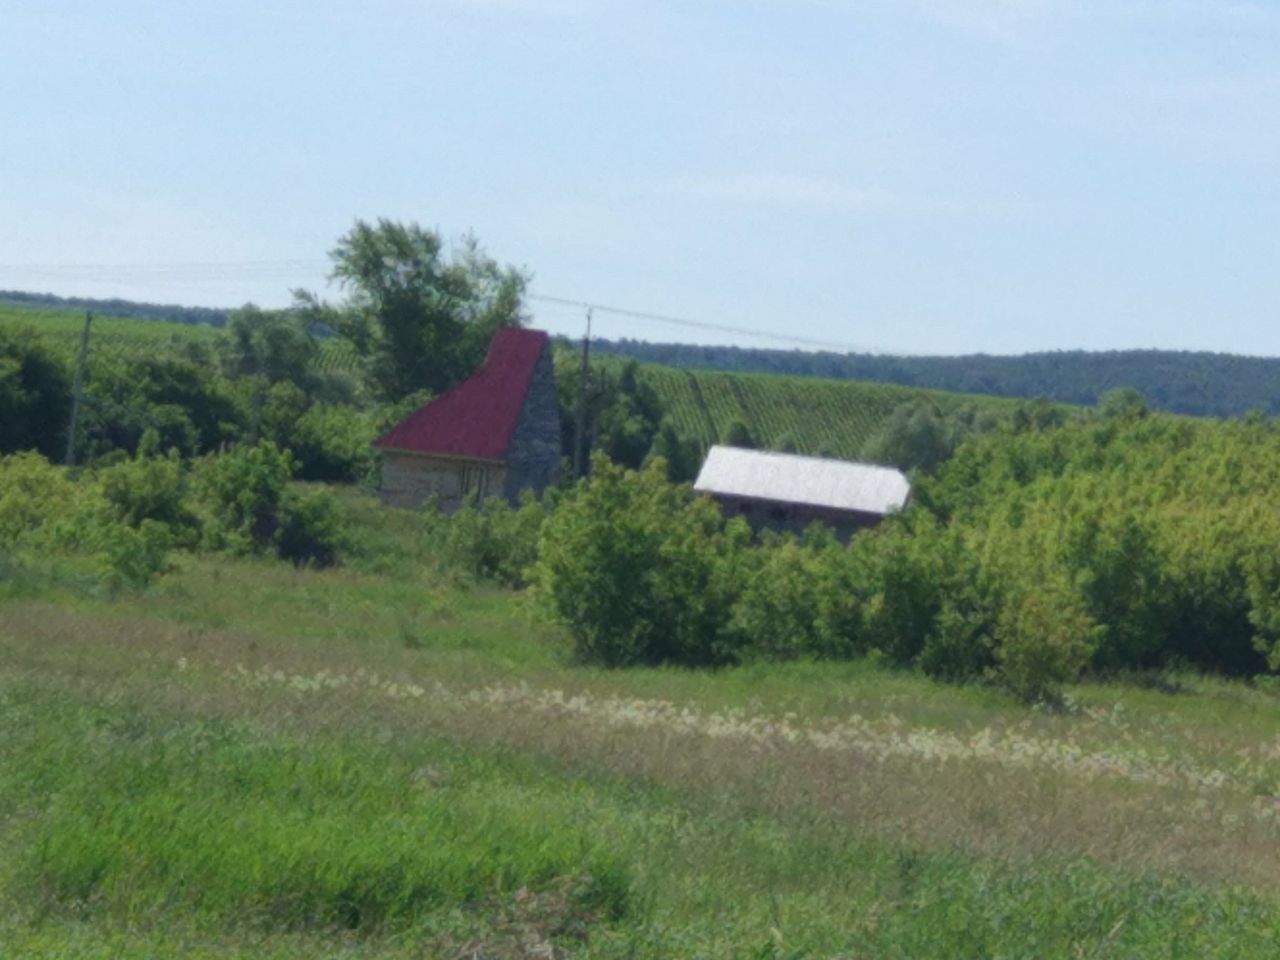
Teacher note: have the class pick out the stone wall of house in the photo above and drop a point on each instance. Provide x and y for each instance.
(533, 456)
(408, 479)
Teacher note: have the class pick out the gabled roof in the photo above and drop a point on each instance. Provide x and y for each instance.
(812, 481)
(475, 419)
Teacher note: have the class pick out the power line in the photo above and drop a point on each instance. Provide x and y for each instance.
(699, 324)
(269, 269)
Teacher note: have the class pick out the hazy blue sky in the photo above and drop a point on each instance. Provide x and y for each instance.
(922, 176)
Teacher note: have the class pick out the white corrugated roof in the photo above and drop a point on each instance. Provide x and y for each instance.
(814, 481)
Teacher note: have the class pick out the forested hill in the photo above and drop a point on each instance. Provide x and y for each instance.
(1201, 384)
(172, 312)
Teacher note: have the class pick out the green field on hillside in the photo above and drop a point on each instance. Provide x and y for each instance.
(124, 336)
(64, 330)
(815, 416)
(812, 415)
(251, 760)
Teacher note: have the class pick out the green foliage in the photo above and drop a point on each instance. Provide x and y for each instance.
(132, 556)
(252, 510)
(276, 345)
(35, 393)
(799, 600)
(683, 456)
(1152, 537)
(332, 442)
(33, 492)
(738, 434)
(920, 436)
(488, 540)
(148, 488)
(417, 318)
(622, 411)
(243, 490)
(124, 532)
(640, 569)
(181, 398)
(1043, 640)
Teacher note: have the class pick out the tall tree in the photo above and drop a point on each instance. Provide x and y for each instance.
(419, 315)
(35, 393)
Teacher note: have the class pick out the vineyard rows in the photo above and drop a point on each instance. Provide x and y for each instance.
(814, 416)
(117, 336)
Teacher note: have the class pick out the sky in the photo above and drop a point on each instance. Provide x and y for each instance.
(904, 176)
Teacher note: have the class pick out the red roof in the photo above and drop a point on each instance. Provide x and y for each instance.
(476, 418)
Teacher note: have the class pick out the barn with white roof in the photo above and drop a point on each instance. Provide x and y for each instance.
(784, 491)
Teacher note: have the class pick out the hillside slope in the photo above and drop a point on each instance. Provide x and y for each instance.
(808, 414)
(1200, 384)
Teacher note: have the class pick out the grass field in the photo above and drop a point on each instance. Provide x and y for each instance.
(250, 760)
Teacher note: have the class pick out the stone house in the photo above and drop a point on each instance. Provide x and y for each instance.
(787, 492)
(495, 434)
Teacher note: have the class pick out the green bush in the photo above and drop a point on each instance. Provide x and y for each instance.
(242, 491)
(905, 570)
(311, 529)
(332, 443)
(149, 488)
(799, 600)
(132, 556)
(640, 570)
(1044, 638)
(33, 493)
(489, 540)
(46, 514)
(250, 508)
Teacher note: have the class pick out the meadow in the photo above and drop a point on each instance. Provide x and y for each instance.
(248, 759)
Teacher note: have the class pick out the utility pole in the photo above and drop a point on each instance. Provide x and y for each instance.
(77, 390)
(579, 433)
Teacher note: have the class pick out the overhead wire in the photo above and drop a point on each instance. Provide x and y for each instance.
(196, 271)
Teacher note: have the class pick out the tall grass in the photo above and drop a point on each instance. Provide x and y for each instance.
(408, 768)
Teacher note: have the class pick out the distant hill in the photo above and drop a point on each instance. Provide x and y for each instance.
(171, 312)
(1200, 384)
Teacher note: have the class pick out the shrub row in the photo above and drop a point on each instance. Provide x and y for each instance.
(1117, 542)
(125, 519)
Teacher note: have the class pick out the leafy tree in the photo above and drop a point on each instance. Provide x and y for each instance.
(35, 394)
(275, 345)
(738, 434)
(683, 455)
(623, 413)
(419, 317)
(184, 401)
